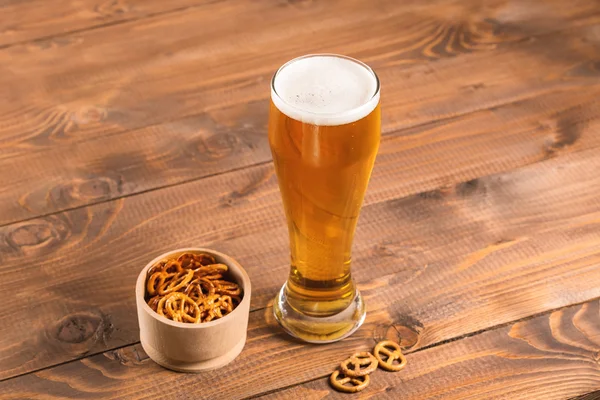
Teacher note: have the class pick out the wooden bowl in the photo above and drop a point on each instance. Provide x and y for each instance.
(194, 347)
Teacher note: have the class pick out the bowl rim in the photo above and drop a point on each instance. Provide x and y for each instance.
(227, 260)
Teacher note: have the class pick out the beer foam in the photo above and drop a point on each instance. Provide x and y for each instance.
(325, 90)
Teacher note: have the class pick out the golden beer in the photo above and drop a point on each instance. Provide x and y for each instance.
(324, 130)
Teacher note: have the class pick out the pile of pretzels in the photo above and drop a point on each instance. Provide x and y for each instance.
(191, 288)
(353, 375)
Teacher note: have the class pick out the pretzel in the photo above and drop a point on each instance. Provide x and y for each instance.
(159, 273)
(153, 302)
(179, 307)
(172, 266)
(221, 307)
(158, 267)
(193, 261)
(356, 384)
(191, 289)
(213, 271)
(153, 283)
(215, 307)
(227, 288)
(177, 282)
(396, 354)
(199, 288)
(359, 360)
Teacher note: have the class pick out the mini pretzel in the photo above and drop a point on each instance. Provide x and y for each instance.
(191, 288)
(215, 307)
(156, 281)
(357, 361)
(158, 267)
(227, 288)
(193, 261)
(199, 289)
(153, 302)
(392, 355)
(159, 273)
(179, 307)
(177, 282)
(213, 271)
(356, 384)
(172, 267)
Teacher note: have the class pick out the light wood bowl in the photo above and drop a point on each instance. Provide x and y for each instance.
(188, 347)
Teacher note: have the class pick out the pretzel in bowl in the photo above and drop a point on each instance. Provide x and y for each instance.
(179, 307)
(199, 289)
(193, 260)
(191, 288)
(215, 307)
(213, 272)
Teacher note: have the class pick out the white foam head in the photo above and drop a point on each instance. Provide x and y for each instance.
(325, 89)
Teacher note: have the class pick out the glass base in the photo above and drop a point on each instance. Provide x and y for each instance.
(319, 329)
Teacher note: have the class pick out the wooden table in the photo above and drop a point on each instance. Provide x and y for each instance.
(133, 127)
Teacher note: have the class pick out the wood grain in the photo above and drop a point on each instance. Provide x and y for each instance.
(400, 307)
(39, 19)
(84, 261)
(552, 356)
(590, 396)
(74, 174)
(92, 84)
(129, 128)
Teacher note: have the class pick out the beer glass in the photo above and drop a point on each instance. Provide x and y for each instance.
(324, 130)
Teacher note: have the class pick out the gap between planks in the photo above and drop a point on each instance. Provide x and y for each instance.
(445, 341)
(450, 340)
(432, 345)
(105, 25)
(265, 162)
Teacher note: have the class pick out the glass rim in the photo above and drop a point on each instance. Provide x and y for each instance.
(333, 55)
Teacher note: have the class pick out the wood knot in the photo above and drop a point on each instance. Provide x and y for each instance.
(129, 356)
(406, 336)
(37, 233)
(568, 127)
(218, 146)
(53, 43)
(111, 8)
(85, 190)
(301, 3)
(468, 188)
(382, 250)
(256, 181)
(436, 194)
(89, 115)
(474, 87)
(407, 254)
(82, 327)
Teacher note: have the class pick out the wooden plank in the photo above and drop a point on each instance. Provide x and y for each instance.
(552, 356)
(590, 396)
(92, 84)
(85, 329)
(76, 173)
(80, 265)
(421, 308)
(35, 19)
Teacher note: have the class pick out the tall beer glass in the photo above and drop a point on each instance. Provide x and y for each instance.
(324, 129)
